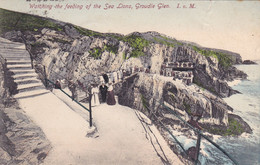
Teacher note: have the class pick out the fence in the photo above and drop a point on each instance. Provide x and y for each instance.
(199, 133)
(90, 96)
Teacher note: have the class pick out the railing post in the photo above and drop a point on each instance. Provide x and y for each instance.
(90, 110)
(45, 77)
(197, 149)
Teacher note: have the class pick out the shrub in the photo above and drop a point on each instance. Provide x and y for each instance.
(137, 43)
(223, 59)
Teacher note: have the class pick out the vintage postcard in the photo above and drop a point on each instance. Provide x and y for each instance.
(129, 82)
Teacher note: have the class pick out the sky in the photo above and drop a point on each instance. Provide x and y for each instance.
(230, 25)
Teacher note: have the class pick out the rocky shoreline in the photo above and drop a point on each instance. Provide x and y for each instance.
(150, 91)
(248, 62)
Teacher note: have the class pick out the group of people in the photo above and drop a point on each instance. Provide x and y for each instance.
(106, 91)
(71, 86)
(121, 74)
(107, 94)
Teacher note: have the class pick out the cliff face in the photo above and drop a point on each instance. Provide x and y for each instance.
(74, 53)
(147, 92)
(68, 54)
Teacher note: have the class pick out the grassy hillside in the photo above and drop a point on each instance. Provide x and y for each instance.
(10, 20)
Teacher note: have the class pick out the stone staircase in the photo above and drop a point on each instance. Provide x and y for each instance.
(19, 62)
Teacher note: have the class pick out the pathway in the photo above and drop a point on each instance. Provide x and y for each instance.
(122, 138)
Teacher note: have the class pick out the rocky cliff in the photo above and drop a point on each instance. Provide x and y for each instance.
(69, 51)
(147, 92)
(74, 53)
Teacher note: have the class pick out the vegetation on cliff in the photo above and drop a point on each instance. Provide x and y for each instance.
(97, 51)
(235, 127)
(224, 59)
(10, 20)
(137, 43)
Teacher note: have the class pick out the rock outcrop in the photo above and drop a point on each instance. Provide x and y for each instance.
(148, 93)
(248, 62)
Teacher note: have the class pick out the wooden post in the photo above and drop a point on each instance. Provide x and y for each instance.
(90, 110)
(197, 149)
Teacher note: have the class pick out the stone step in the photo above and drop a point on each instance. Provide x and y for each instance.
(6, 44)
(15, 47)
(19, 67)
(11, 61)
(32, 93)
(6, 49)
(29, 85)
(14, 50)
(27, 81)
(14, 62)
(10, 43)
(14, 53)
(31, 88)
(11, 55)
(22, 71)
(24, 75)
(17, 58)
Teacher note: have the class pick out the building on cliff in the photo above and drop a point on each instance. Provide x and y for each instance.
(178, 70)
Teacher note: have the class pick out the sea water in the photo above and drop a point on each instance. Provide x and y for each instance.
(245, 149)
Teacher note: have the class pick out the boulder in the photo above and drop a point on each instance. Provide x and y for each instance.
(248, 62)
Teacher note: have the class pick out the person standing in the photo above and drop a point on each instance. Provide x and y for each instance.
(119, 75)
(57, 84)
(110, 95)
(95, 98)
(106, 79)
(111, 77)
(124, 73)
(72, 88)
(101, 79)
(103, 91)
(115, 77)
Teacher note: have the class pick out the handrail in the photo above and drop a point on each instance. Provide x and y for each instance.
(69, 96)
(169, 132)
(197, 131)
(173, 137)
(172, 112)
(89, 110)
